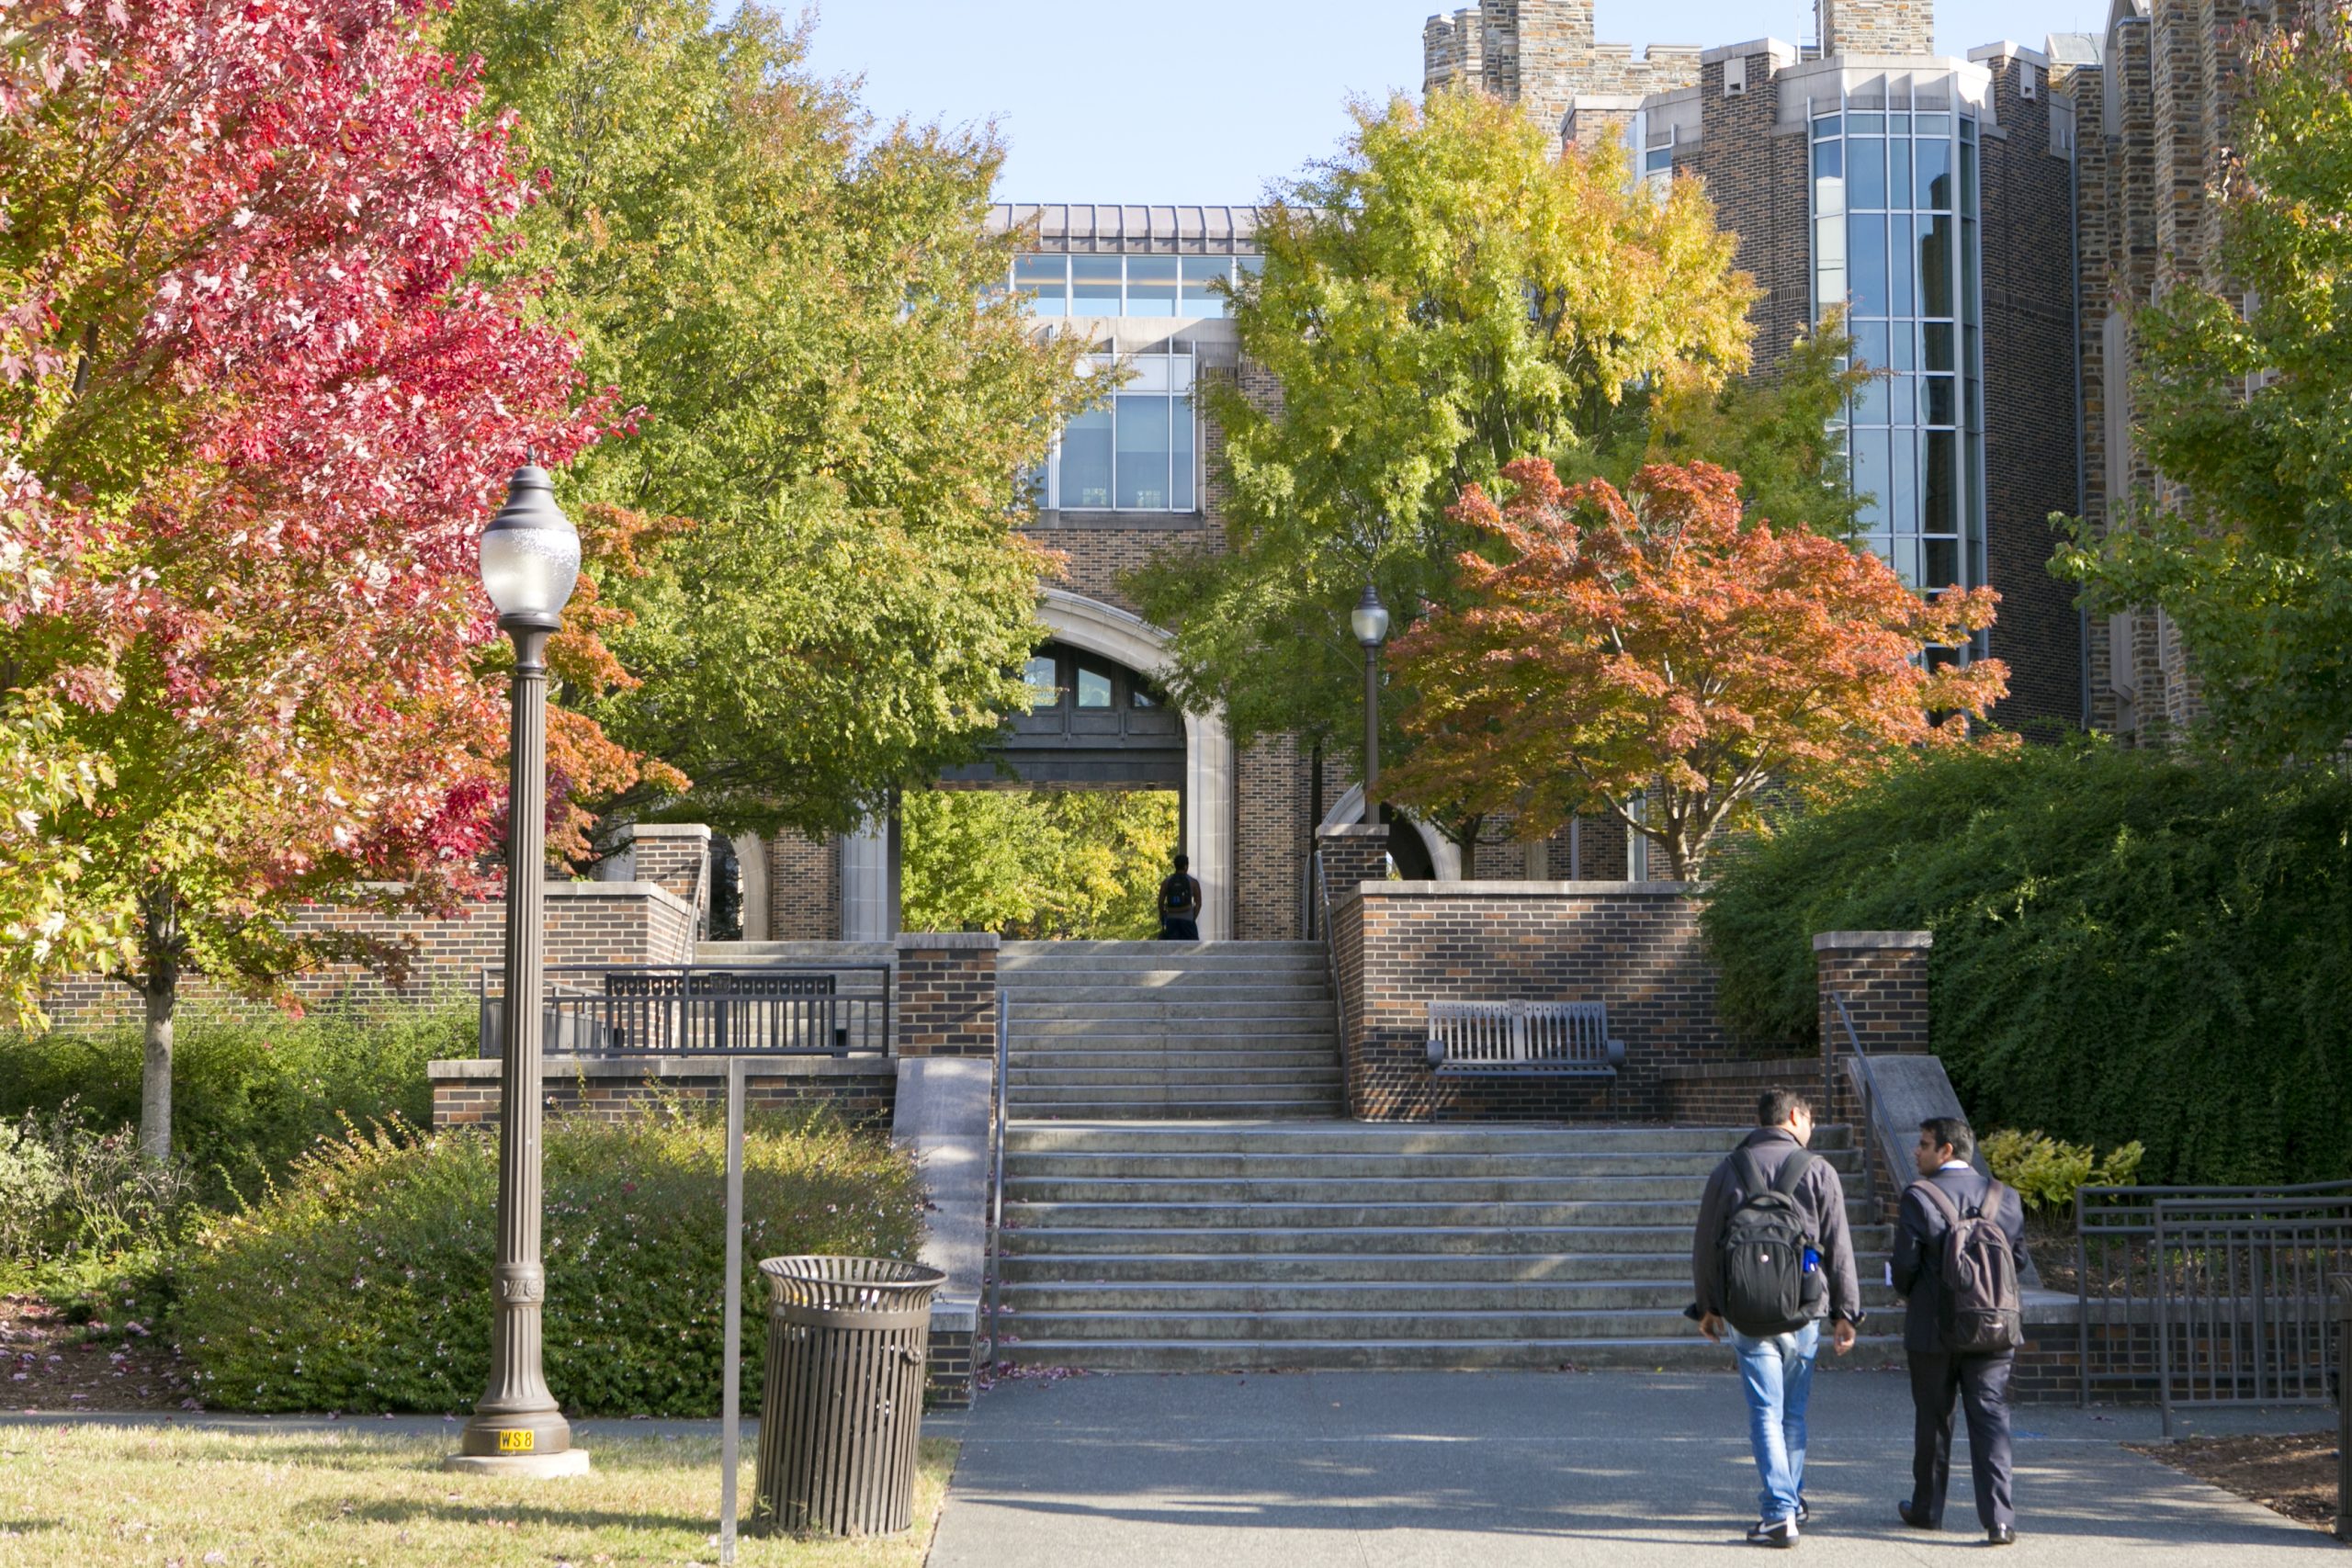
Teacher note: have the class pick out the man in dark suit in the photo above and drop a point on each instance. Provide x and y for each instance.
(1981, 1381)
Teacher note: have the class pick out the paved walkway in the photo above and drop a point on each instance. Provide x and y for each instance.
(1371, 1470)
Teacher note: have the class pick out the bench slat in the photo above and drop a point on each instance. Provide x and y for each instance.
(1564, 1038)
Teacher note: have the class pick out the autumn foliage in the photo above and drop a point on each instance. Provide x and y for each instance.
(253, 418)
(1653, 642)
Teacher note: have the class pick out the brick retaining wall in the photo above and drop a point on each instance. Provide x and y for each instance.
(863, 1089)
(1634, 946)
(945, 1001)
(587, 922)
(1884, 977)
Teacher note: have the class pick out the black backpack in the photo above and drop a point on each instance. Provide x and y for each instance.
(1176, 895)
(1979, 1310)
(1765, 1286)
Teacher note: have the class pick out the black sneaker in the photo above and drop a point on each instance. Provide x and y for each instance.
(1782, 1533)
(1804, 1512)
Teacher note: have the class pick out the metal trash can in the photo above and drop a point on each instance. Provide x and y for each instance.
(842, 1407)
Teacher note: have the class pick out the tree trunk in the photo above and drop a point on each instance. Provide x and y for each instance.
(1470, 856)
(159, 986)
(162, 993)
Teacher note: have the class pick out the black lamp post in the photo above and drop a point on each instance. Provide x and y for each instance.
(530, 558)
(1370, 619)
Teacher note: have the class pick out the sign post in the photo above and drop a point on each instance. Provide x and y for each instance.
(731, 1361)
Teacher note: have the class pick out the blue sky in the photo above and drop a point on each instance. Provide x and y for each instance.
(1205, 100)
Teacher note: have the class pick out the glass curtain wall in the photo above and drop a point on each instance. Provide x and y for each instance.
(1062, 286)
(1894, 203)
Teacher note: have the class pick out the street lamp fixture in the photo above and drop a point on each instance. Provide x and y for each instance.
(530, 559)
(1370, 619)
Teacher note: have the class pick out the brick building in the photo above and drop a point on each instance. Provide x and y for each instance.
(1123, 485)
(1931, 195)
(2154, 94)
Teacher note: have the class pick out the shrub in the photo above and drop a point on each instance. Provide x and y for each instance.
(2127, 946)
(2045, 1172)
(75, 1202)
(362, 1281)
(248, 1094)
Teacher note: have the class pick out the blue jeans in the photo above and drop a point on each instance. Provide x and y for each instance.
(1777, 1373)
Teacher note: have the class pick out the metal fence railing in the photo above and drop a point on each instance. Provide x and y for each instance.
(616, 1009)
(2210, 1295)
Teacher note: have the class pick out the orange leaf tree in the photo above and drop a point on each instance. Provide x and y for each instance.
(1648, 653)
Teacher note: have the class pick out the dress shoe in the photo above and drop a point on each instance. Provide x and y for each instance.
(1782, 1533)
(1915, 1519)
(2001, 1535)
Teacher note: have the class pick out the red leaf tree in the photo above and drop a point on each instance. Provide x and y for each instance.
(254, 421)
(1652, 647)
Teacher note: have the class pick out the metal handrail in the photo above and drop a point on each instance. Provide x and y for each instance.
(1001, 1105)
(1332, 955)
(1869, 1092)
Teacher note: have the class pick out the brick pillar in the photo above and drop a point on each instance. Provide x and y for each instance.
(1357, 853)
(1884, 977)
(944, 994)
(672, 854)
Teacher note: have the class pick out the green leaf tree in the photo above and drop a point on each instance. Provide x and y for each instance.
(1450, 294)
(835, 399)
(2240, 399)
(1051, 863)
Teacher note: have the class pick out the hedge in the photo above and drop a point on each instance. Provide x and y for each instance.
(2127, 946)
(362, 1282)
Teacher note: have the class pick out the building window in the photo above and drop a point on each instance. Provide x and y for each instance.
(1895, 240)
(1139, 452)
(1172, 287)
(1043, 690)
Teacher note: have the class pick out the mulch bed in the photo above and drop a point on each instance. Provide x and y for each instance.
(2291, 1475)
(51, 1364)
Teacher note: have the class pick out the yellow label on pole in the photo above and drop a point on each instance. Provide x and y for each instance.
(517, 1442)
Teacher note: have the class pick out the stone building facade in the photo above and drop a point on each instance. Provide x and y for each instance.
(1930, 196)
(2153, 94)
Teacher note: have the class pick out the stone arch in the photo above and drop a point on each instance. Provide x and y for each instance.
(1444, 854)
(1093, 627)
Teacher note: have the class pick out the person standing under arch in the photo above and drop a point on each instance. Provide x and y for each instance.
(1180, 904)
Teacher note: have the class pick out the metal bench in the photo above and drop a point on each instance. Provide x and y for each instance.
(1500, 1039)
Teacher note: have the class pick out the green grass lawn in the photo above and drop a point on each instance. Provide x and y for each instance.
(197, 1499)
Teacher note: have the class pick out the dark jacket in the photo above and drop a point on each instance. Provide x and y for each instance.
(1919, 1246)
(1820, 1196)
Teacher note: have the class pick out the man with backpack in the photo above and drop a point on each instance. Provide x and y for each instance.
(1772, 1259)
(1180, 904)
(1959, 1254)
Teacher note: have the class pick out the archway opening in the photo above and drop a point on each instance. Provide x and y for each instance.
(1037, 863)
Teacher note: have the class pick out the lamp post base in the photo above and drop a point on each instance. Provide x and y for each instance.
(527, 1467)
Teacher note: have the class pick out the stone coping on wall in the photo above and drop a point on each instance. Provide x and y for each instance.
(945, 941)
(667, 830)
(1524, 889)
(650, 1065)
(1861, 942)
(652, 890)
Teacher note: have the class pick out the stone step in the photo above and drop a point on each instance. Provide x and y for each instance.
(1180, 1298)
(1215, 1056)
(1033, 978)
(1117, 1240)
(1349, 1213)
(1150, 1166)
(1184, 1111)
(1383, 1139)
(1035, 1097)
(1271, 1269)
(1150, 1010)
(1052, 1034)
(1023, 998)
(1273, 1328)
(1685, 1351)
(1022, 1187)
(1111, 1080)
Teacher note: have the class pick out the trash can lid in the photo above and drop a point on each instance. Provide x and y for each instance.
(848, 1282)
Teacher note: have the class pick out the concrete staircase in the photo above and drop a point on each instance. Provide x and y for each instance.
(1118, 1031)
(1176, 1247)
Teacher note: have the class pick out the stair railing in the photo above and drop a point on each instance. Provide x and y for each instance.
(1332, 955)
(1000, 1104)
(1866, 1080)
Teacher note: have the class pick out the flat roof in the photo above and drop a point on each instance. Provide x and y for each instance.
(1117, 228)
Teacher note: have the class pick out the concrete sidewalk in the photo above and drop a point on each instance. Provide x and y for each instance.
(1371, 1470)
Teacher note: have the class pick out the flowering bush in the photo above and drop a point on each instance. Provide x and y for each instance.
(362, 1281)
